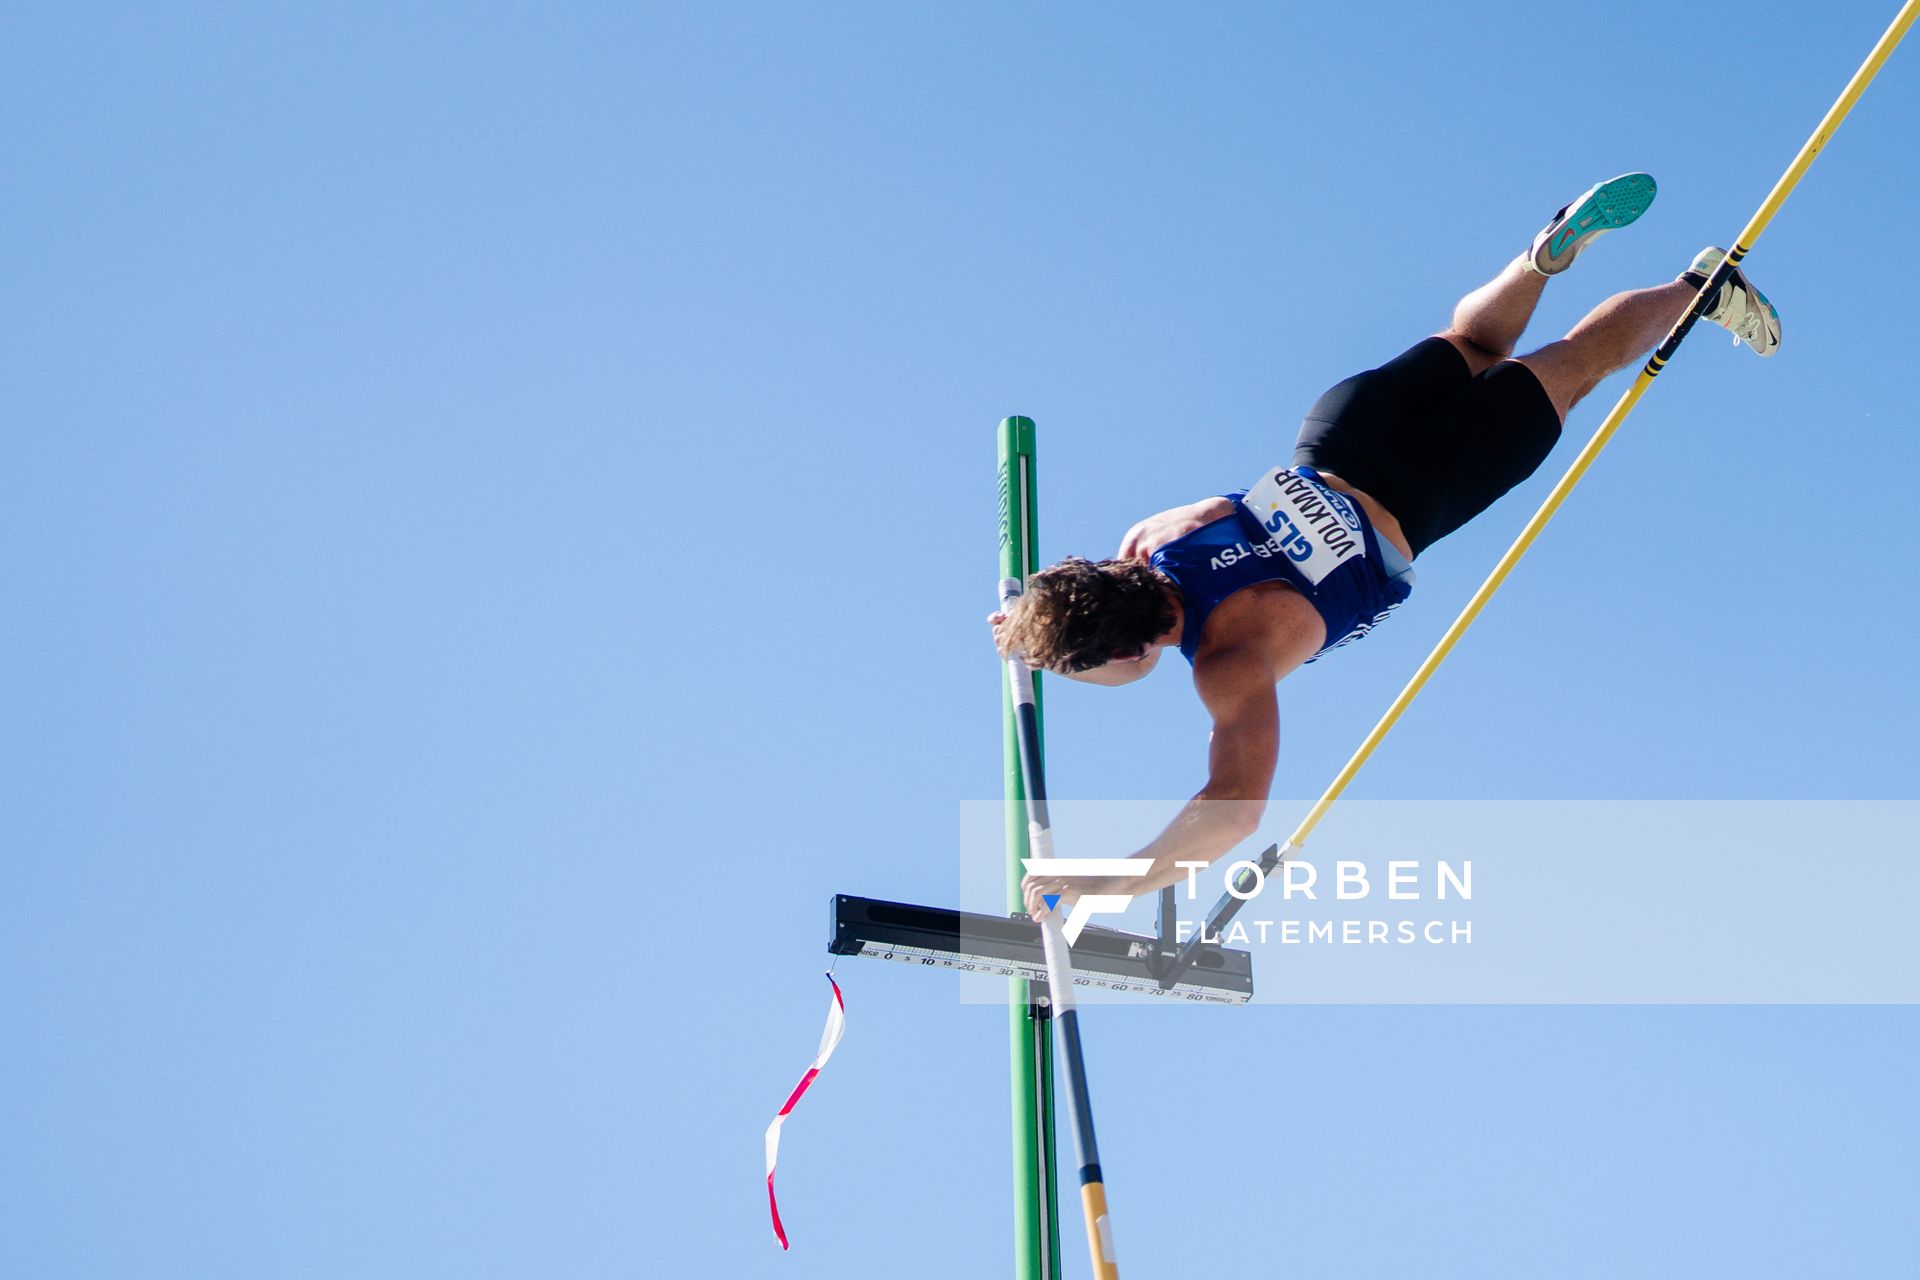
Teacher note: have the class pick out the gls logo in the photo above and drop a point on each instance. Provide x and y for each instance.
(1091, 904)
(1296, 545)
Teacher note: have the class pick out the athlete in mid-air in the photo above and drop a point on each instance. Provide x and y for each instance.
(1253, 584)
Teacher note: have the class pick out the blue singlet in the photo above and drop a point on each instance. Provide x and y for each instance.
(1292, 528)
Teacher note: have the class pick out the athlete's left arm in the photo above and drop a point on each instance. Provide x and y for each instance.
(1237, 688)
(1157, 531)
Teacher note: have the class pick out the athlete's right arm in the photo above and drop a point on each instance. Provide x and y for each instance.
(1237, 687)
(1244, 750)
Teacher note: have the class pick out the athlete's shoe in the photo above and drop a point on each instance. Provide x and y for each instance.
(1737, 306)
(1614, 203)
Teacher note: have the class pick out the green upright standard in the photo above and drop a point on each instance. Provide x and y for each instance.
(1036, 1221)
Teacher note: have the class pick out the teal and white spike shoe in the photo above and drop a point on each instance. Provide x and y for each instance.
(1614, 203)
(1737, 306)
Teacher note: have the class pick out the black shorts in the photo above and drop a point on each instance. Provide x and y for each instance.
(1435, 444)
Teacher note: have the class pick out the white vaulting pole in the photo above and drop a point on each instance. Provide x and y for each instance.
(1093, 1190)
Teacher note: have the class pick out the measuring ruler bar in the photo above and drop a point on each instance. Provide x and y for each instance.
(970, 942)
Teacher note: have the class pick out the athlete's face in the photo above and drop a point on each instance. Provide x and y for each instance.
(1122, 668)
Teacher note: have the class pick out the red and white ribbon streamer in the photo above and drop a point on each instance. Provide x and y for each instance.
(836, 1024)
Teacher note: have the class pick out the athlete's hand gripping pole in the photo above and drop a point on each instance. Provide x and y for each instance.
(1093, 1191)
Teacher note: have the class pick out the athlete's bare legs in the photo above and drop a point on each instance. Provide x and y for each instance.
(1615, 334)
(1488, 322)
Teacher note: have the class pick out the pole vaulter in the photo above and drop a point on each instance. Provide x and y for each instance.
(1346, 521)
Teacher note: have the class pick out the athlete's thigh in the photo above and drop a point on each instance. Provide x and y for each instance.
(1484, 439)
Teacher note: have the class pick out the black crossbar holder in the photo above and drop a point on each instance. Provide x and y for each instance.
(1217, 919)
(971, 942)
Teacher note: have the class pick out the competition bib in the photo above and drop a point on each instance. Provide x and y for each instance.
(1315, 527)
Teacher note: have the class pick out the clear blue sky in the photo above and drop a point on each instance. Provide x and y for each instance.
(497, 527)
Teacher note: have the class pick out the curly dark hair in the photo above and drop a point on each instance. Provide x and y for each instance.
(1080, 614)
